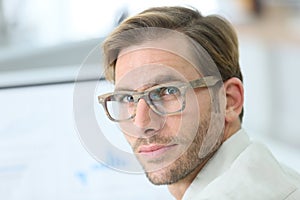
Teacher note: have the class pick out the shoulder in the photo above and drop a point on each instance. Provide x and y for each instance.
(257, 175)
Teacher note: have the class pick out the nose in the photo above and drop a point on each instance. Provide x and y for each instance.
(146, 120)
(142, 114)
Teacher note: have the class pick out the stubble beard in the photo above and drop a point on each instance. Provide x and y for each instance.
(186, 163)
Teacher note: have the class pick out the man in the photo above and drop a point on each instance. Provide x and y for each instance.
(178, 100)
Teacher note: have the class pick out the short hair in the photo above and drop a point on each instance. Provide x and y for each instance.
(214, 33)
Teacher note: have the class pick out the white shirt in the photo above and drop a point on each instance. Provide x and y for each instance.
(244, 170)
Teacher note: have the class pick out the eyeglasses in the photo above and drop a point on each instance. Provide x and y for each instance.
(164, 99)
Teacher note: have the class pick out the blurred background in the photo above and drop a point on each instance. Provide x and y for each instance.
(42, 46)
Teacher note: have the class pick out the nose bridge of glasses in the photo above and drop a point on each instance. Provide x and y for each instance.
(141, 95)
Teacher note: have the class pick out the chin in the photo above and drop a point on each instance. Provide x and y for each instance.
(159, 178)
(173, 173)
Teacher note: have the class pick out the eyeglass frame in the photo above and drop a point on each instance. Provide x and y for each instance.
(202, 82)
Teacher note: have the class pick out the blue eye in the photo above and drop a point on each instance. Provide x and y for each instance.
(171, 90)
(122, 98)
(164, 92)
(127, 98)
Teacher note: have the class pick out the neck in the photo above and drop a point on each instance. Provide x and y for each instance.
(231, 129)
(178, 189)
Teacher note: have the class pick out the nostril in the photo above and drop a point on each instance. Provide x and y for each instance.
(149, 131)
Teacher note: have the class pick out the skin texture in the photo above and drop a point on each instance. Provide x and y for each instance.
(178, 137)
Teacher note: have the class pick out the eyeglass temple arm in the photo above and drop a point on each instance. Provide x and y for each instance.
(204, 82)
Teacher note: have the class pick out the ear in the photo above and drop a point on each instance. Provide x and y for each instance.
(234, 91)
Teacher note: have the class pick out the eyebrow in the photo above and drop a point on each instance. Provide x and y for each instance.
(160, 79)
(166, 78)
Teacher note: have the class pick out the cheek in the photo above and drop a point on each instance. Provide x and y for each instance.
(197, 109)
(203, 102)
(173, 125)
(187, 122)
(192, 111)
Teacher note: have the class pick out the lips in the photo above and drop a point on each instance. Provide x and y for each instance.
(154, 149)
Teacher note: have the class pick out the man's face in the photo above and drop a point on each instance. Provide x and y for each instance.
(166, 146)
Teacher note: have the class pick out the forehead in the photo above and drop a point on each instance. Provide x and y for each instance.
(143, 66)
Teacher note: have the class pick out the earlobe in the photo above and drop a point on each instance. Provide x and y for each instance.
(234, 91)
